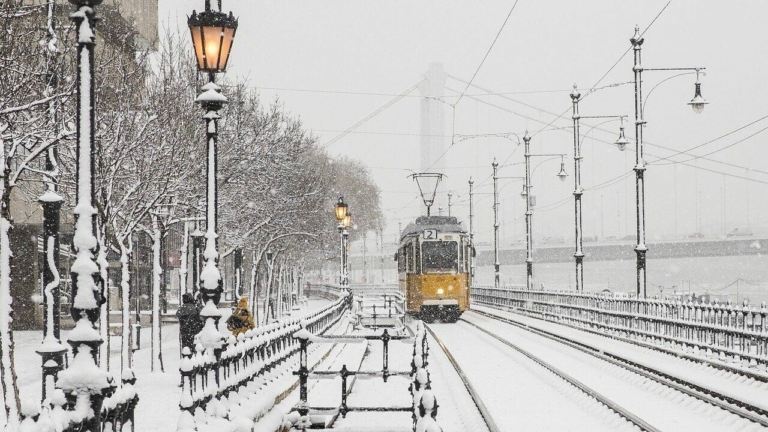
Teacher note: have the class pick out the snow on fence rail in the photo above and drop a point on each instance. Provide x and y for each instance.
(65, 412)
(726, 330)
(424, 407)
(214, 382)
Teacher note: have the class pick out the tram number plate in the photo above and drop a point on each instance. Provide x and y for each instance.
(430, 234)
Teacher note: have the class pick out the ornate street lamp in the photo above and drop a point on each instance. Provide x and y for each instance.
(578, 191)
(87, 286)
(341, 209)
(530, 203)
(562, 175)
(213, 33)
(697, 104)
(345, 223)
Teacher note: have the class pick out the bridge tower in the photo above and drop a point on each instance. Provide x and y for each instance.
(432, 90)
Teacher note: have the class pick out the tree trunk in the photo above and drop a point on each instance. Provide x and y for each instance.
(125, 286)
(157, 271)
(7, 366)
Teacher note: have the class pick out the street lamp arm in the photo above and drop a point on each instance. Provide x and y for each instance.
(548, 155)
(675, 69)
(647, 96)
(612, 118)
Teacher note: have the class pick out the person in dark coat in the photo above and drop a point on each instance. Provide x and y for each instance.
(190, 323)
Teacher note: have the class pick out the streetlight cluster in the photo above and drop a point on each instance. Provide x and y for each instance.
(697, 103)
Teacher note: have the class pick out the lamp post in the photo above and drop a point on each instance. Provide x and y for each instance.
(345, 223)
(697, 104)
(471, 231)
(496, 264)
(529, 204)
(213, 33)
(197, 246)
(87, 287)
(340, 211)
(578, 191)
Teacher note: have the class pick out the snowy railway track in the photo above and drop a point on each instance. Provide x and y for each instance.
(608, 402)
(708, 396)
(484, 413)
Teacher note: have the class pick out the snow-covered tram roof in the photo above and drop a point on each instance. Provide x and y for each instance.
(443, 224)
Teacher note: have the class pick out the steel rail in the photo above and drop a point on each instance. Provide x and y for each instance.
(608, 402)
(484, 413)
(712, 397)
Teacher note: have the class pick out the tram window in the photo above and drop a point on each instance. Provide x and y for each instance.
(461, 258)
(418, 256)
(440, 256)
(409, 248)
(401, 259)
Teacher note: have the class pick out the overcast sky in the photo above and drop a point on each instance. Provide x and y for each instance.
(334, 62)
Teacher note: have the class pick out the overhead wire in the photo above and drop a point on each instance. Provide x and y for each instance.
(487, 52)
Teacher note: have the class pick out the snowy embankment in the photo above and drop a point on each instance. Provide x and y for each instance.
(159, 392)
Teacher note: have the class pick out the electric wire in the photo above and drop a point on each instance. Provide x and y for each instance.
(487, 52)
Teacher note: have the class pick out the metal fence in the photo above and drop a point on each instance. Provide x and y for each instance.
(214, 375)
(731, 332)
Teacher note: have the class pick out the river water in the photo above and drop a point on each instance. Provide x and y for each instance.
(722, 277)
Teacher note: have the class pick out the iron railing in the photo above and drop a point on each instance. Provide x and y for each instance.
(209, 375)
(424, 406)
(728, 331)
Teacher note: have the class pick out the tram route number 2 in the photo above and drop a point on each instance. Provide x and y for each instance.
(430, 234)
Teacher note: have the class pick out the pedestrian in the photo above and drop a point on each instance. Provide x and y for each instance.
(190, 323)
(241, 319)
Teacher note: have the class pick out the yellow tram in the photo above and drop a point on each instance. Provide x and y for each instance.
(433, 265)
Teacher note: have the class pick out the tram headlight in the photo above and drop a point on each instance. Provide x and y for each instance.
(440, 291)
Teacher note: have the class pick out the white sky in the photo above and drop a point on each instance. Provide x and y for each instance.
(385, 47)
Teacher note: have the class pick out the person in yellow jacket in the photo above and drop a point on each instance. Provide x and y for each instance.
(241, 319)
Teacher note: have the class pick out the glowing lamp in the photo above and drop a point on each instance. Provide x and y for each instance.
(341, 209)
(212, 36)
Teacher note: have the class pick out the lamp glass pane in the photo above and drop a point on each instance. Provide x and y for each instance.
(226, 46)
(212, 42)
(341, 211)
(197, 43)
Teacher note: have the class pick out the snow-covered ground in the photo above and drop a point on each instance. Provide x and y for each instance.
(159, 391)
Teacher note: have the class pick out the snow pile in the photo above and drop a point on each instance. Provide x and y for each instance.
(252, 373)
(117, 409)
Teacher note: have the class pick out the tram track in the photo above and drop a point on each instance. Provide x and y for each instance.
(484, 412)
(606, 401)
(708, 396)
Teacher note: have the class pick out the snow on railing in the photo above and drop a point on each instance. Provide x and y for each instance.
(60, 413)
(728, 331)
(424, 402)
(423, 408)
(241, 389)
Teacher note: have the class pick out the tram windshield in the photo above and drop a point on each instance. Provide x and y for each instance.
(440, 256)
